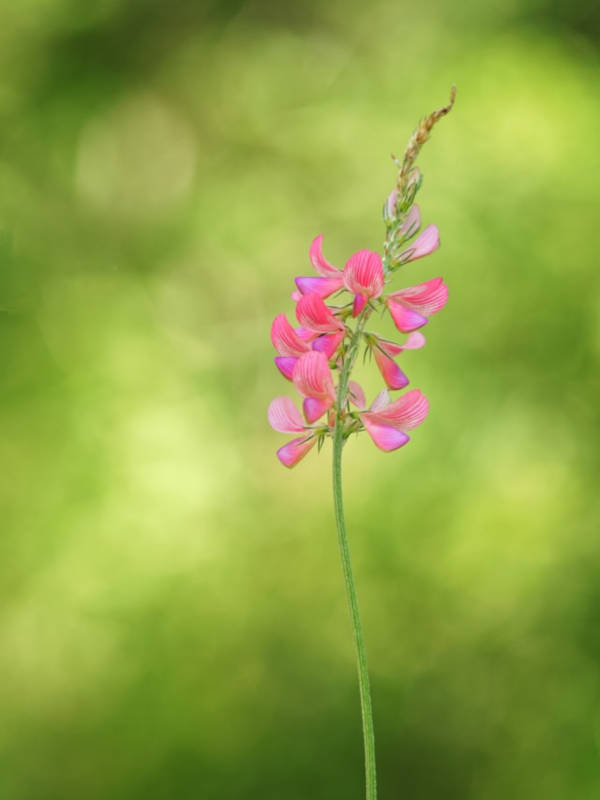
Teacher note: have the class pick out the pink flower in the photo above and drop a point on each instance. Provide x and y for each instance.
(363, 276)
(386, 422)
(312, 313)
(312, 378)
(284, 417)
(385, 351)
(288, 343)
(330, 280)
(411, 307)
(425, 244)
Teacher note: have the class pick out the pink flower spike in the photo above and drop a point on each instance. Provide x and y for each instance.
(292, 452)
(285, 339)
(404, 319)
(427, 242)
(391, 372)
(284, 416)
(363, 274)
(357, 395)
(312, 313)
(385, 437)
(321, 265)
(312, 376)
(328, 343)
(285, 365)
(321, 286)
(314, 408)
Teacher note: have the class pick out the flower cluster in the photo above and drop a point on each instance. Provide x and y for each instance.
(318, 354)
(324, 343)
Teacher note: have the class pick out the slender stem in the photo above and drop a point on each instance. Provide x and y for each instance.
(359, 642)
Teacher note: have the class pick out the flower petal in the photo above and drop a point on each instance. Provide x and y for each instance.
(363, 274)
(412, 223)
(285, 339)
(321, 265)
(358, 305)
(285, 365)
(314, 408)
(385, 437)
(426, 298)
(291, 453)
(356, 394)
(328, 343)
(284, 416)
(404, 319)
(427, 242)
(405, 413)
(321, 286)
(381, 401)
(391, 372)
(415, 341)
(312, 376)
(312, 313)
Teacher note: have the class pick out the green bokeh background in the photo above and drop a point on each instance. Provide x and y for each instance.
(172, 613)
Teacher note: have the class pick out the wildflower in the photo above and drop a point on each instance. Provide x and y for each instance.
(410, 308)
(386, 422)
(284, 417)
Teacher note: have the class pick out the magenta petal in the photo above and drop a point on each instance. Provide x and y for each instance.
(321, 265)
(291, 453)
(391, 372)
(385, 437)
(285, 365)
(356, 394)
(321, 286)
(359, 304)
(311, 312)
(284, 417)
(405, 413)
(404, 319)
(328, 343)
(312, 376)
(285, 339)
(427, 242)
(314, 408)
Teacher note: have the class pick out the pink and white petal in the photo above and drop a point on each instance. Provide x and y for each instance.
(285, 365)
(357, 395)
(427, 242)
(412, 223)
(390, 204)
(328, 343)
(321, 265)
(426, 298)
(314, 408)
(385, 437)
(296, 295)
(312, 376)
(391, 372)
(312, 313)
(404, 319)
(285, 339)
(406, 412)
(284, 417)
(363, 273)
(358, 305)
(321, 286)
(415, 341)
(305, 333)
(381, 401)
(292, 452)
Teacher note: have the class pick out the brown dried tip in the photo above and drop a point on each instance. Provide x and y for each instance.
(418, 139)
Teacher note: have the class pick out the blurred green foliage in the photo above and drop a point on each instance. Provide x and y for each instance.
(172, 615)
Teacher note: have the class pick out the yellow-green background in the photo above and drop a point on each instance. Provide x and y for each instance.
(172, 616)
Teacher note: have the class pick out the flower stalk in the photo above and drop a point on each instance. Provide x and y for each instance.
(325, 346)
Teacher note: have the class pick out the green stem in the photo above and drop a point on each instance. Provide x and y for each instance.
(359, 642)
